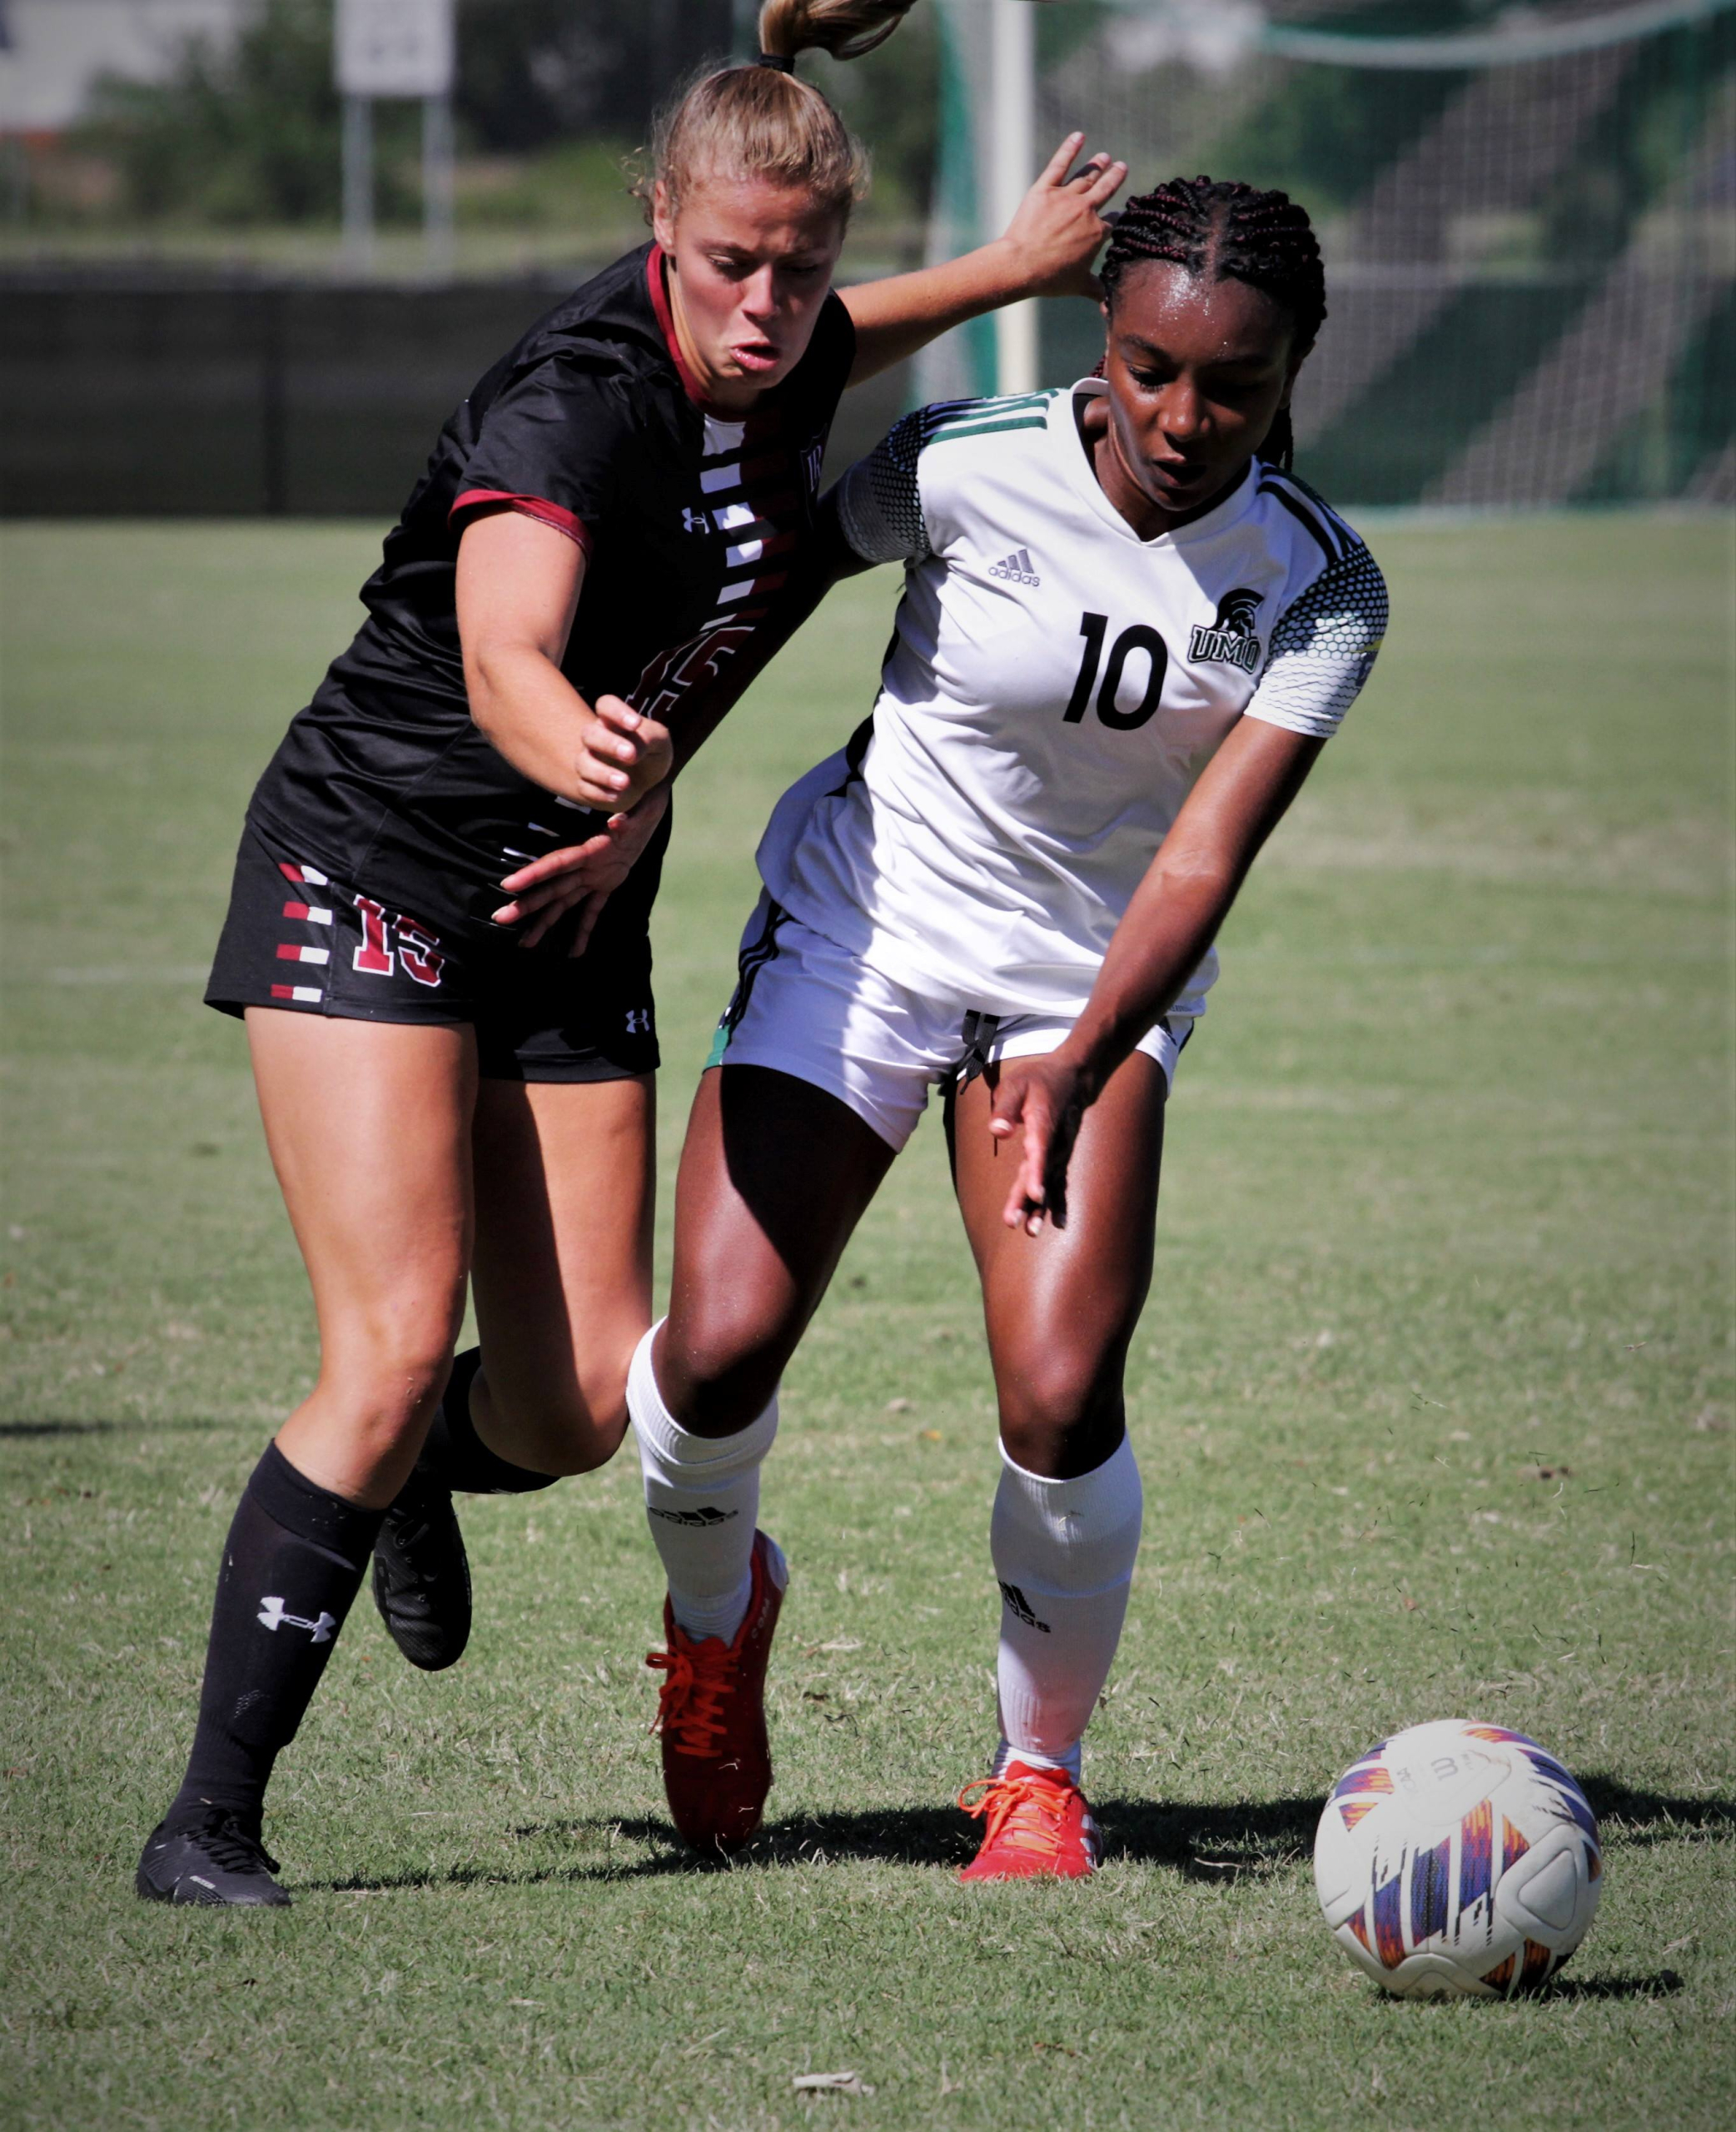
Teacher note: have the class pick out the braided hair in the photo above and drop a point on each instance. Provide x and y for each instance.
(1229, 231)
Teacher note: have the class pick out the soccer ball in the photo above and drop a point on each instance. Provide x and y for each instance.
(1458, 1860)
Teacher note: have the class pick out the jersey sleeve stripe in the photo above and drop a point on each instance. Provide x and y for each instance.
(944, 414)
(948, 431)
(537, 507)
(1348, 536)
(1301, 512)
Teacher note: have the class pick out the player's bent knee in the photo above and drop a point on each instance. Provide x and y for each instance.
(389, 1375)
(718, 1366)
(567, 1439)
(562, 1416)
(1060, 1411)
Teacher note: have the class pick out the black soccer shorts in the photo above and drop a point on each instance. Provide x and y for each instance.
(296, 938)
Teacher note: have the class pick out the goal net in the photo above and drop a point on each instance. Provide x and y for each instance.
(1528, 214)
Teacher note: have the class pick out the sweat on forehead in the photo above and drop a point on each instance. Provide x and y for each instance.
(1160, 300)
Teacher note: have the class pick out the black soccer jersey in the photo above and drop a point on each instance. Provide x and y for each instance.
(692, 520)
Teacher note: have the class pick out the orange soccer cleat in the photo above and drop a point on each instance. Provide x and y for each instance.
(1037, 1824)
(717, 1763)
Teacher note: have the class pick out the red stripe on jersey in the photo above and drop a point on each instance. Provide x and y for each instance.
(537, 507)
(290, 873)
(294, 910)
(283, 991)
(659, 296)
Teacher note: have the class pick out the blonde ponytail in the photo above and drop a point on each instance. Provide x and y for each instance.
(760, 122)
(846, 29)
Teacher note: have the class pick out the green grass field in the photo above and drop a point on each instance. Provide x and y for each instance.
(1433, 1401)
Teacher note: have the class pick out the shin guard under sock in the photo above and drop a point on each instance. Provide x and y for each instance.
(292, 1563)
(1063, 1553)
(702, 1502)
(457, 1457)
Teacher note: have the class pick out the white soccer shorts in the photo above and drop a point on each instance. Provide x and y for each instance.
(804, 1006)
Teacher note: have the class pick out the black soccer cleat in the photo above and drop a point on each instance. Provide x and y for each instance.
(210, 1858)
(422, 1576)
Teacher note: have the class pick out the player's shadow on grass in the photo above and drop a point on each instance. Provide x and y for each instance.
(1631, 1815)
(1215, 1845)
(1657, 1984)
(26, 1429)
(1209, 1844)
(55, 1428)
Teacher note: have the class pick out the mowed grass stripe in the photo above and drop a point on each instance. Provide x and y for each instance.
(1432, 1400)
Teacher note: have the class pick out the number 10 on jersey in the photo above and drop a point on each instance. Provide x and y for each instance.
(1140, 637)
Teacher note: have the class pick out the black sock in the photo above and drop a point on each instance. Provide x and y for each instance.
(292, 1565)
(458, 1458)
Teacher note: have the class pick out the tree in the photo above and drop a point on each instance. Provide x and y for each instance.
(250, 134)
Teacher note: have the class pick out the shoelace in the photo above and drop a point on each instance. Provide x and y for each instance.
(1005, 1798)
(232, 1847)
(687, 1703)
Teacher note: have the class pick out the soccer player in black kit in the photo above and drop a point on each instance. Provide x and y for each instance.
(437, 934)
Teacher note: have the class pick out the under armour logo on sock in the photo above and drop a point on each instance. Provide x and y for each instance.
(708, 1515)
(1021, 1605)
(271, 1615)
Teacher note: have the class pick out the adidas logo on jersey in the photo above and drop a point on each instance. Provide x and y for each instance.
(1016, 568)
(1233, 639)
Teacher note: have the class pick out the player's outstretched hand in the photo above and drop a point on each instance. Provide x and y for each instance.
(1044, 1097)
(582, 874)
(621, 755)
(1059, 227)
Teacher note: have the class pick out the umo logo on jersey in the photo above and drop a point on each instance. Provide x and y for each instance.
(1016, 568)
(1233, 639)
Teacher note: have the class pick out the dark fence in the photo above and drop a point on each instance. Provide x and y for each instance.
(238, 399)
(133, 399)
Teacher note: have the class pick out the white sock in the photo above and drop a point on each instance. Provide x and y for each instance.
(702, 1502)
(1063, 1553)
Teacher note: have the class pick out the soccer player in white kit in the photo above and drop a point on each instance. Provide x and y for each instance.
(1126, 632)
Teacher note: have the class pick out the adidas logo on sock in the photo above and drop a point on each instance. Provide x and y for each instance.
(709, 1514)
(1021, 1605)
(1016, 568)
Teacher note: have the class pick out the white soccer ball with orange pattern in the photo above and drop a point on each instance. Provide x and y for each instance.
(1459, 1860)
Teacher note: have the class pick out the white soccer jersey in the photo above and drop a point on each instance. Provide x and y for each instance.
(1054, 687)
